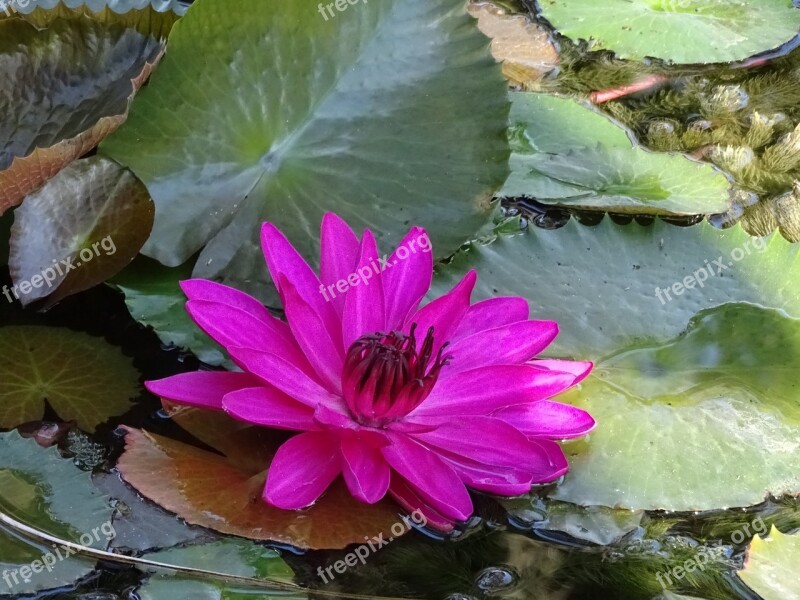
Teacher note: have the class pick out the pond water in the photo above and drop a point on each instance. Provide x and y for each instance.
(713, 376)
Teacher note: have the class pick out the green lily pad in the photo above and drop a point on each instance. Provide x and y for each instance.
(43, 491)
(600, 283)
(771, 566)
(388, 113)
(63, 94)
(681, 31)
(154, 298)
(82, 377)
(81, 228)
(570, 154)
(231, 556)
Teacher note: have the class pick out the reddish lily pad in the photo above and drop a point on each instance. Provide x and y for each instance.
(84, 226)
(223, 491)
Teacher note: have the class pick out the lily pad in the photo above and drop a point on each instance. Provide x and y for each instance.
(570, 154)
(235, 557)
(600, 283)
(681, 31)
(43, 491)
(154, 298)
(82, 377)
(771, 566)
(222, 491)
(63, 94)
(387, 113)
(81, 228)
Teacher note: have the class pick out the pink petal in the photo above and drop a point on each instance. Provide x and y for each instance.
(231, 326)
(268, 407)
(407, 497)
(488, 389)
(554, 466)
(285, 376)
(339, 254)
(485, 440)
(443, 314)
(365, 471)
(432, 479)
(364, 311)
(502, 482)
(202, 289)
(204, 389)
(324, 353)
(547, 419)
(282, 258)
(490, 314)
(580, 370)
(303, 468)
(407, 280)
(510, 344)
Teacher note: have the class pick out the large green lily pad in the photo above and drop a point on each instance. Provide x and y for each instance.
(681, 31)
(771, 566)
(82, 227)
(600, 282)
(43, 491)
(567, 153)
(63, 94)
(389, 113)
(235, 557)
(82, 377)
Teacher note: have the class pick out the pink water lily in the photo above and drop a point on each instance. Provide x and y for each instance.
(420, 403)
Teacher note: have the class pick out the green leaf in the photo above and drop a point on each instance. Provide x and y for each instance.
(231, 556)
(771, 566)
(154, 298)
(82, 377)
(388, 113)
(41, 490)
(600, 282)
(681, 31)
(567, 153)
(81, 228)
(67, 90)
(708, 420)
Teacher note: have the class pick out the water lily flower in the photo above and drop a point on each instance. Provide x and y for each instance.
(419, 403)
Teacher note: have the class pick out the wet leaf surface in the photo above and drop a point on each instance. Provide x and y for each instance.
(84, 226)
(223, 491)
(371, 116)
(44, 491)
(82, 377)
(695, 31)
(771, 566)
(567, 153)
(67, 91)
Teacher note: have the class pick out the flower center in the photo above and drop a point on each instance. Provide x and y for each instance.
(385, 377)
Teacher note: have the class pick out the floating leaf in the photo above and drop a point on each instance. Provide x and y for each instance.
(595, 524)
(154, 298)
(223, 491)
(82, 377)
(771, 566)
(41, 490)
(524, 47)
(233, 557)
(681, 31)
(388, 113)
(567, 153)
(81, 228)
(599, 283)
(63, 94)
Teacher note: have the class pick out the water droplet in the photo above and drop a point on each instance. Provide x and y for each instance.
(495, 579)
